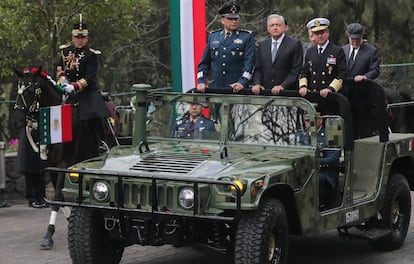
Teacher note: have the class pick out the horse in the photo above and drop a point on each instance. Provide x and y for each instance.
(37, 89)
(400, 110)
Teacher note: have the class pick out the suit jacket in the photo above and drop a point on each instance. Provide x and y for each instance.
(325, 70)
(366, 62)
(286, 67)
(227, 61)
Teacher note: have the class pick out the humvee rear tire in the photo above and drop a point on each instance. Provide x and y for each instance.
(262, 236)
(86, 239)
(395, 214)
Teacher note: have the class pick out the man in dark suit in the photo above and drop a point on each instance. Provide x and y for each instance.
(325, 65)
(229, 56)
(363, 63)
(278, 58)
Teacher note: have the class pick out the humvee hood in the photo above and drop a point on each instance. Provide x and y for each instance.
(201, 162)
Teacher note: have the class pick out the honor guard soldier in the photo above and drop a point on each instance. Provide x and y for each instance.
(229, 56)
(77, 69)
(193, 124)
(325, 65)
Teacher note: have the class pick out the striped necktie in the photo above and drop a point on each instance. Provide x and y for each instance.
(351, 58)
(274, 50)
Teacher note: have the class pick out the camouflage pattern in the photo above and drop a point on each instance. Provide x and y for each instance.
(236, 170)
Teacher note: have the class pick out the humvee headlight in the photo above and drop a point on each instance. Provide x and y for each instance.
(186, 198)
(239, 184)
(100, 191)
(74, 176)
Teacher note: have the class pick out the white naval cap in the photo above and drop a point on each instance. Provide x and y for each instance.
(318, 24)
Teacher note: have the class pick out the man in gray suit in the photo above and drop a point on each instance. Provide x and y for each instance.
(278, 58)
(364, 62)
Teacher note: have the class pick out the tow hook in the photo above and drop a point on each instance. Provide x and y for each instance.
(171, 227)
(110, 223)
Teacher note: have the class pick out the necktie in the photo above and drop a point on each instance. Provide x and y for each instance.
(320, 50)
(227, 35)
(274, 50)
(351, 58)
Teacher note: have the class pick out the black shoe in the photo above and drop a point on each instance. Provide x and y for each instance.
(38, 205)
(35, 204)
(4, 204)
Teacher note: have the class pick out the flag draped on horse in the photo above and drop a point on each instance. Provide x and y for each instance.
(188, 39)
(55, 124)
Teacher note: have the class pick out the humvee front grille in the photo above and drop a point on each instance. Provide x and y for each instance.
(141, 195)
(176, 163)
(151, 196)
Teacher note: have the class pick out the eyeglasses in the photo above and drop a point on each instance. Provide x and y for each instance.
(80, 36)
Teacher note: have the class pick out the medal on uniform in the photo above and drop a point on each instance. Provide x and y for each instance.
(331, 60)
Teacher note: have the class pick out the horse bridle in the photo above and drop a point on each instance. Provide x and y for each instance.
(30, 111)
(21, 88)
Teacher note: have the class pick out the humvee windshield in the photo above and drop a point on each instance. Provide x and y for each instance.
(250, 123)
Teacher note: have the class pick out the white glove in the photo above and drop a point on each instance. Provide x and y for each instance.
(62, 80)
(69, 88)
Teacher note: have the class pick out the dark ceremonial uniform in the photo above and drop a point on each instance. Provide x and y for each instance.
(29, 164)
(80, 66)
(326, 70)
(185, 128)
(227, 60)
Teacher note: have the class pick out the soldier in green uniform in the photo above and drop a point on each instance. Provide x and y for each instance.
(77, 69)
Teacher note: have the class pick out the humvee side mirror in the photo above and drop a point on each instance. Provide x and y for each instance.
(334, 131)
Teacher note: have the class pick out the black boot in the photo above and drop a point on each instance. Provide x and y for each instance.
(3, 202)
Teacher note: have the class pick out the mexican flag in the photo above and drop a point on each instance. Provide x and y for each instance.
(188, 40)
(55, 124)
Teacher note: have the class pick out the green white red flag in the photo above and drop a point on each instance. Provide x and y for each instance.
(55, 124)
(188, 40)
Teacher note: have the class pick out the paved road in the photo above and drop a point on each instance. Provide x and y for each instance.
(21, 229)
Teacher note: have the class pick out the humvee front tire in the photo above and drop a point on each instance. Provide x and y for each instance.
(87, 242)
(395, 214)
(262, 235)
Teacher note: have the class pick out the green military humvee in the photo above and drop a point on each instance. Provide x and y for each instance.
(241, 189)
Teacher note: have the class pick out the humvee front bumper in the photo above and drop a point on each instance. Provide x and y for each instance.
(156, 200)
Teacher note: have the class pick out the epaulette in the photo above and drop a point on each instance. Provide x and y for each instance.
(64, 46)
(217, 30)
(97, 52)
(245, 30)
